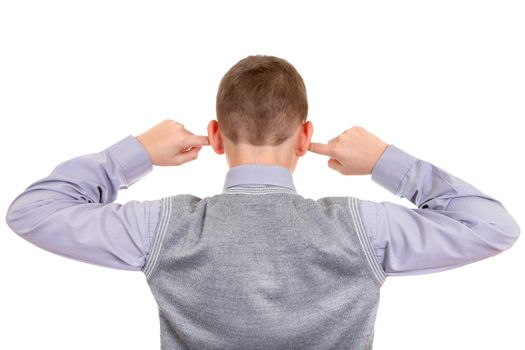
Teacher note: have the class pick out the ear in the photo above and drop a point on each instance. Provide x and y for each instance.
(303, 139)
(214, 136)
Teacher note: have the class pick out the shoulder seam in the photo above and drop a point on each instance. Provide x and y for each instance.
(376, 269)
(165, 211)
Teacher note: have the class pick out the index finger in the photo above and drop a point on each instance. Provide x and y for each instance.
(320, 148)
(196, 140)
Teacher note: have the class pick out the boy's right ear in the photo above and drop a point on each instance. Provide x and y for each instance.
(214, 137)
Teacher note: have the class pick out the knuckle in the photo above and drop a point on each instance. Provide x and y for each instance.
(337, 150)
(172, 123)
(358, 129)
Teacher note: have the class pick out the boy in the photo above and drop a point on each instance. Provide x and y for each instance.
(258, 266)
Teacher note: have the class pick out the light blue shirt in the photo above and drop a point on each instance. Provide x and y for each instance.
(72, 211)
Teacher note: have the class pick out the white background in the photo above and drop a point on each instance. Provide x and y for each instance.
(442, 80)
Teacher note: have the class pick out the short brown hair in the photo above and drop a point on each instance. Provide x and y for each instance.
(261, 101)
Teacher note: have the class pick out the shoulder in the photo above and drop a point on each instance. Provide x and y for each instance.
(182, 203)
(328, 204)
(333, 201)
(336, 203)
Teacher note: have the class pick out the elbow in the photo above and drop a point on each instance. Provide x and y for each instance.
(11, 218)
(25, 213)
(511, 230)
(16, 218)
(515, 231)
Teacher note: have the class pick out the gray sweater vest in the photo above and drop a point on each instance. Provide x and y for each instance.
(263, 268)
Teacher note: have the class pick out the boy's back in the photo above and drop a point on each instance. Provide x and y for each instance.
(263, 267)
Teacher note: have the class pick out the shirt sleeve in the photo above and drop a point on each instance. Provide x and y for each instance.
(454, 223)
(72, 212)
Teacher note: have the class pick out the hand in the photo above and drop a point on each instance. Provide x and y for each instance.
(354, 152)
(169, 143)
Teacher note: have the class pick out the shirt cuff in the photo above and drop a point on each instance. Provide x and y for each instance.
(392, 167)
(132, 157)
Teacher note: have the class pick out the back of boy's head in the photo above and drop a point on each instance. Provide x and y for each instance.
(261, 100)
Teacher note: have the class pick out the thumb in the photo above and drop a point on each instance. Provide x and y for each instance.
(335, 164)
(187, 156)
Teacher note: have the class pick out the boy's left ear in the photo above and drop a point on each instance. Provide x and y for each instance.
(214, 136)
(304, 138)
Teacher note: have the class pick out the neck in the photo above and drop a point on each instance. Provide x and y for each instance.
(266, 155)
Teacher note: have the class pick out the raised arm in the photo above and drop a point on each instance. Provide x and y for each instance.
(72, 212)
(454, 223)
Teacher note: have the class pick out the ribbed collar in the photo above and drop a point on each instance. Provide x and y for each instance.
(258, 175)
